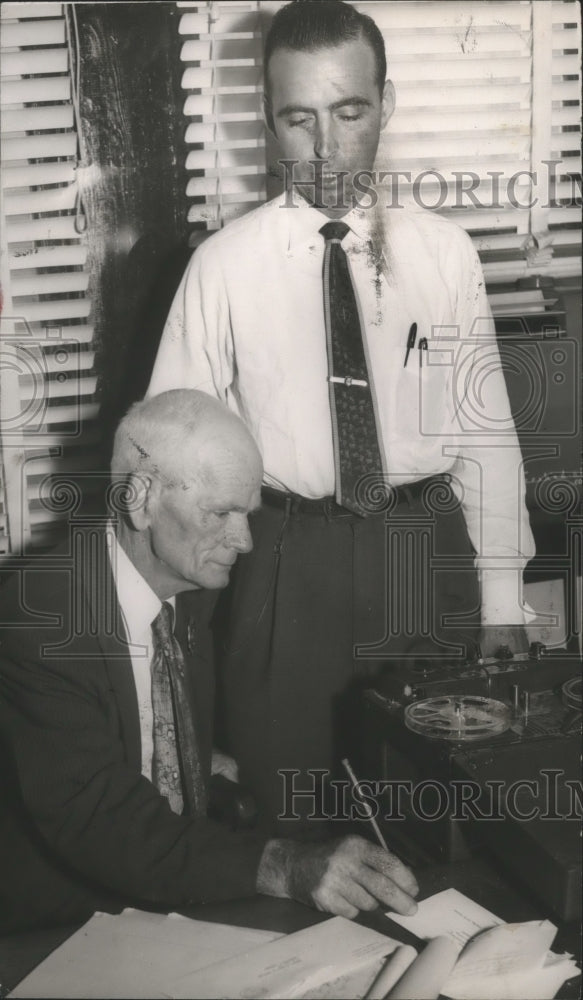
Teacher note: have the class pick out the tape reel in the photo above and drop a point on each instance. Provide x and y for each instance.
(458, 718)
(571, 693)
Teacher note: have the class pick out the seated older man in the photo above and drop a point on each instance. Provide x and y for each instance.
(106, 699)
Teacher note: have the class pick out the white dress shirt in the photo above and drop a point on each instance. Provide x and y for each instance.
(139, 607)
(247, 325)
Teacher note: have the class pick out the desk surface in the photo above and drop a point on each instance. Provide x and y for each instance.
(477, 878)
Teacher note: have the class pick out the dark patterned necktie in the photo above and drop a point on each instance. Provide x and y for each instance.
(176, 768)
(356, 448)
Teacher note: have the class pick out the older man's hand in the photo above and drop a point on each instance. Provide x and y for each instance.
(340, 877)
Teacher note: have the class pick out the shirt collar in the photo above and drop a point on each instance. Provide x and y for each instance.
(305, 222)
(138, 602)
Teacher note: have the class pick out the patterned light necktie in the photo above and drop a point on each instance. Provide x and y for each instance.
(176, 768)
(356, 448)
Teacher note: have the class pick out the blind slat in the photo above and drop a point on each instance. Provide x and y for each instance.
(54, 309)
(486, 70)
(39, 88)
(463, 95)
(49, 118)
(42, 147)
(70, 386)
(39, 466)
(195, 78)
(87, 438)
(422, 45)
(202, 24)
(30, 61)
(565, 142)
(52, 200)
(216, 147)
(454, 17)
(478, 119)
(30, 10)
(565, 38)
(76, 413)
(410, 148)
(19, 33)
(244, 53)
(228, 185)
(80, 333)
(50, 228)
(49, 284)
(230, 134)
(196, 186)
(230, 160)
(52, 256)
(34, 174)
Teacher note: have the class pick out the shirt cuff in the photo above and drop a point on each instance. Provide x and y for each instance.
(502, 600)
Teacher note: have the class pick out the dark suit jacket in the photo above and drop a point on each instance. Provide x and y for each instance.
(80, 827)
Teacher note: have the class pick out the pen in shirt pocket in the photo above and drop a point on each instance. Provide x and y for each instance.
(410, 342)
(422, 346)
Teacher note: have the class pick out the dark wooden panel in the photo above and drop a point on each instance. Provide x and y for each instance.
(134, 185)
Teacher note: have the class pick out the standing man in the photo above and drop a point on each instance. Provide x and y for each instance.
(106, 690)
(357, 344)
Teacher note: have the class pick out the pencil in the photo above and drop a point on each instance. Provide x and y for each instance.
(367, 807)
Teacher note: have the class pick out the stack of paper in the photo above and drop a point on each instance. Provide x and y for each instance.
(337, 958)
(472, 955)
(147, 955)
(134, 954)
(498, 961)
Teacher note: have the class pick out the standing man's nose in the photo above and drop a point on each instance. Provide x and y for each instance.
(325, 142)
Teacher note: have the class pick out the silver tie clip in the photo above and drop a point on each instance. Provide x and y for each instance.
(347, 381)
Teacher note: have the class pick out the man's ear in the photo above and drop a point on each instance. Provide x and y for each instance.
(139, 499)
(388, 102)
(268, 115)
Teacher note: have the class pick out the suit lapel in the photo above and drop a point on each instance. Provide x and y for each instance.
(107, 621)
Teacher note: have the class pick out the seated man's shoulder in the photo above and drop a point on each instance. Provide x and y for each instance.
(37, 596)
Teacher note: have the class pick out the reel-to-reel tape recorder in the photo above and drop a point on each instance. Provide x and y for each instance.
(478, 750)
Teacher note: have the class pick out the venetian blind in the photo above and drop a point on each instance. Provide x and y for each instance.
(225, 137)
(486, 129)
(47, 377)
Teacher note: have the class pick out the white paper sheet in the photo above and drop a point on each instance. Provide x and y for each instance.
(450, 914)
(499, 961)
(510, 962)
(336, 958)
(134, 954)
(426, 976)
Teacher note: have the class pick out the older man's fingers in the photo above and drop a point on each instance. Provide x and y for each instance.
(389, 865)
(387, 892)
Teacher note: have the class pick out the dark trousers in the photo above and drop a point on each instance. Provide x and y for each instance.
(325, 602)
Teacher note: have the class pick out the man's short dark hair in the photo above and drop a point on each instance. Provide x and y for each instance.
(308, 25)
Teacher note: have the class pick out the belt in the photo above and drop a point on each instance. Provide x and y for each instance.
(328, 507)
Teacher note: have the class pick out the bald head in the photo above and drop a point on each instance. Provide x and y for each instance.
(193, 473)
(180, 434)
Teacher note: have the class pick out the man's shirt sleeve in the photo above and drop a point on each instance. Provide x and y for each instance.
(196, 350)
(489, 467)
